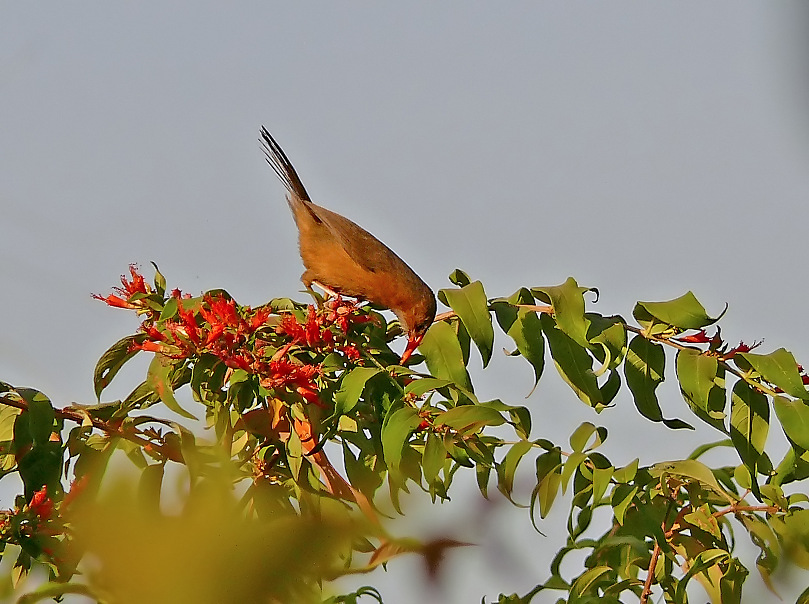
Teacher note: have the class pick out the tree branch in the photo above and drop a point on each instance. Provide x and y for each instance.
(110, 429)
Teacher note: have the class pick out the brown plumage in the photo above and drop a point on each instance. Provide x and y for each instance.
(346, 258)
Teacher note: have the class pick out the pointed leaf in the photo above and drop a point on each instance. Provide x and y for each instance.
(698, 375)
(469, 418)
(749, 423)
(397, 428)
(472, 307)
(644, 369)
(508, 467)
(112, 361)
(522, 325)
(433, 458)
(779, 368)
(573, 363)
(794, 418)
(444, 356)
(684, 312)
(158, 378)
(568, 308)
(351, 387)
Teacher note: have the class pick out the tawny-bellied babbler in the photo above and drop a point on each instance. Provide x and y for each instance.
(347, 259)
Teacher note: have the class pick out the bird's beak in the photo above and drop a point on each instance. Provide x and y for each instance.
(412, 343)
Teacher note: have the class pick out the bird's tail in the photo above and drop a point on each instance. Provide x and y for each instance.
(281, 165)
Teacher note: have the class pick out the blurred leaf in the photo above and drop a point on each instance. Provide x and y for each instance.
(472, 308)
(568, 308)
(778, 368)
(443, 355)
(684, 312)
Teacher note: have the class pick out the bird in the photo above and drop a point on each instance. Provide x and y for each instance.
(342, 258)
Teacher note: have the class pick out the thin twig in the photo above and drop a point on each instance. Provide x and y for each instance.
(647, 586)
(111, 429)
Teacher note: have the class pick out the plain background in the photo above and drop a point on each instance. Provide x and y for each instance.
(644, 149)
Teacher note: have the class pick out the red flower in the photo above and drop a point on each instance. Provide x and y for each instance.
(128, 289)
(698, 338)
(116, 301)
(41, 504)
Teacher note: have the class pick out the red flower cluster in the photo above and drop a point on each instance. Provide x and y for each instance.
(137, 285)
(217, 325)
(315, 332)
(716, 344)
(283, 373)
(222, 331)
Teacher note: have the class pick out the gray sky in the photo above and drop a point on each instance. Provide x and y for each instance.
(644, 149)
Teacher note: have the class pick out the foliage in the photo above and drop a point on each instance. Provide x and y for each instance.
(282, 389)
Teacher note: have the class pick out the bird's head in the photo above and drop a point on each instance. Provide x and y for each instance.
(416, 320)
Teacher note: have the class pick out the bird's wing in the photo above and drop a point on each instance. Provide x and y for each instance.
(365, 249)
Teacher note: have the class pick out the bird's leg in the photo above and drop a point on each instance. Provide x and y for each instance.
(329, 291)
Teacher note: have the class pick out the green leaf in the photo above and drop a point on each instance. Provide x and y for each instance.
(622, 496)
(586, 584)
(159, 280)
(568, 308)
(158, 378)
(690, 469)
(508, 467)
(40, 414)
(749, 424)
(684, 312)
(398, 426)
(601, 480)
(549, 468)
(459, 278)
(794, 418)
(644, 369)
(699, 377)
(573, 363)
(779, 368)
(351, 387)
(520, 416)
(582, 434)
(111, 362)
(522, 325)
(470, 304)
(609, 336)
(444, 356)
(42, 465)
(433, 458)
(469, 418)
